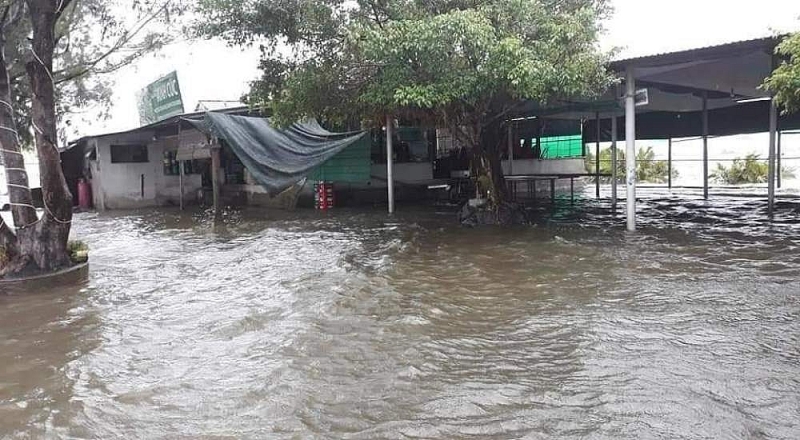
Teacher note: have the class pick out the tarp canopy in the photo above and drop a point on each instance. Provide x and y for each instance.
(277, 158)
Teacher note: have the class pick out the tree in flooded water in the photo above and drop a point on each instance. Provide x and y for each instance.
(784, 83)
(50, 50)
(464, 66)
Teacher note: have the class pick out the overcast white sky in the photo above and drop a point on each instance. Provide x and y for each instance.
(210, 70)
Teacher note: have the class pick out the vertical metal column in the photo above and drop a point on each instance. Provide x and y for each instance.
(778, 159)
(215, 165)
(614, 176)
(180, 181)
(630, 148)
(389, 163)
(180, 164)
(597, 157)
(773, 128)
(510, 148)
(572, 190)
(705, 145)
(669, 164)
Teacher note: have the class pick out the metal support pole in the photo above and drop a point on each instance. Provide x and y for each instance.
(705, 145)
(180, 181)
(773, 128)
(180, 165)
(389, 163)
(778, 159)
(630, 148)
(215, 165)
(572, 190)
(510, 148)
(614, 176)
(669, 164)
(538, 146)
(597, 157)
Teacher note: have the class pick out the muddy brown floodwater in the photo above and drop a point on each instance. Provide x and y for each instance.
(355, 325)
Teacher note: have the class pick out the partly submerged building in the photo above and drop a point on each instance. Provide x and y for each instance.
(170, 163)
(712, 91)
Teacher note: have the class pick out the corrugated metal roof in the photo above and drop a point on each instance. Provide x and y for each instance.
(714, 51)
(155, 125)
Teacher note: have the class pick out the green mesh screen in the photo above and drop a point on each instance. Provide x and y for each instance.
(351, 165)
(557, 147)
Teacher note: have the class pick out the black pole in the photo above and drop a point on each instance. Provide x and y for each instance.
(597, 157)
(669, 164)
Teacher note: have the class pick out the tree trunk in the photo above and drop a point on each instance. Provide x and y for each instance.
(484, 144)
(52, 233)
(24, 214)
(8, 245)
(486, 164)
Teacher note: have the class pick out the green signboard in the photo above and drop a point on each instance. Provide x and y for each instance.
(160, 100)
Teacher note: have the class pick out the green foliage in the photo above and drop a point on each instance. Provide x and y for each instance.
(647, 168)
(448, 61)
(750, 169)
(457, 64)
(650, 170)
(94, 38)
(78, 251)
(784, 82)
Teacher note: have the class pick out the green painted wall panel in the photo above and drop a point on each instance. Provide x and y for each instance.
(351, 165)
(560, 147)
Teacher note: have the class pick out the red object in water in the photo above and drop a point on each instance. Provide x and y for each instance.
(323, 195)
(84, 194)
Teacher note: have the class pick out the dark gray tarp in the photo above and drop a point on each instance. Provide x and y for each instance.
(277, 158)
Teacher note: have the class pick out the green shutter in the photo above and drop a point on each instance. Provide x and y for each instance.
(351, 165)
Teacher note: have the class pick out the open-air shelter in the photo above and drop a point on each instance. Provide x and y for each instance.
(705, 92)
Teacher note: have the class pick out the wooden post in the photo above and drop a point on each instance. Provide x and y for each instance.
(215, 166)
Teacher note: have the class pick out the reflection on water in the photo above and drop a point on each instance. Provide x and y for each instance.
(356, 325)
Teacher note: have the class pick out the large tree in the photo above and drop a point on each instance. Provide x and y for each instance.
(461, 64)
(49, 59)
(784, 83)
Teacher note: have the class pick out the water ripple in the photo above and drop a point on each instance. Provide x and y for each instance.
(354, 325)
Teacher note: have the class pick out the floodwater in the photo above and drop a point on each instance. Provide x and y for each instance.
(354, 325)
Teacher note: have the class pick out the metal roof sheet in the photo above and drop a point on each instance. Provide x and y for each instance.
(706, 52)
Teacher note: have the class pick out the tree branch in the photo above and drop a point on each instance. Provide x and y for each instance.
(126, 38)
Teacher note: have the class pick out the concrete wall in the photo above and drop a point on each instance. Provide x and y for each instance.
(138, 185)
(541, 166)
(411, 173)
